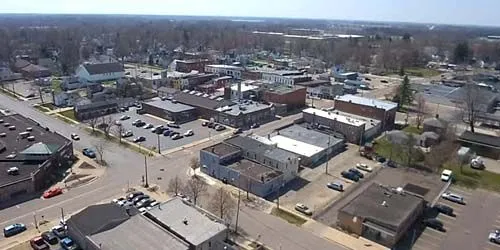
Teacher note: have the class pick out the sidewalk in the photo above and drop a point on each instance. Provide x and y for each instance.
(82, 172)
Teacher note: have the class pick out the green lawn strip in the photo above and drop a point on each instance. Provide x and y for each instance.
(41, 108)
(65, 119)
(289, 217)
(413, 129)
(69, 114)
(472, 178)
(48, 105)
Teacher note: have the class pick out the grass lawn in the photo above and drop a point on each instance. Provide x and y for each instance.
(413, 129)
(422, 72)
(472, 178)
(49, 106)
(69, 113)
(289, 217)
(383, 148)
(41, 108)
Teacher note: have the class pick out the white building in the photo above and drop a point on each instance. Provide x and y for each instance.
(222, 69)
(100, 72)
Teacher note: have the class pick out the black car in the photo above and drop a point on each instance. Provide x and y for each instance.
(211, 125)
(255, 125)
(140, 139)
(140, 124)
(49, 237)
(132, 195)
(237, 131)
(444, 209)
(350, 175)
(139, 198)
(204, 124)
(435, 224)
(356, 172)
(392, 164)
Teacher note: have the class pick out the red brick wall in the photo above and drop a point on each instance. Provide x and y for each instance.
(293, 99)
(368, 111)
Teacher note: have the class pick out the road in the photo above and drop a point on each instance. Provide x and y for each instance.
(126, 168)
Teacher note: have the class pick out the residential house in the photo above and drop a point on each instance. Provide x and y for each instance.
(7, 75)
(100, 72)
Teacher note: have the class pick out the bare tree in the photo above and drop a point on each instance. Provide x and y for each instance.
(194, 164)
(408, 149)
(106, 125)
(175, 185)
(470, 104)
(440, 154)
(93, 123)
(421, 110)
(119, 130)
(99, 148)
(195, 188)
(222, 204)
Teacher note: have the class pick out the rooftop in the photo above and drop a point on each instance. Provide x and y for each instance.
(243, 107)
(103, 68)
(482, 139)
(193, 224)
(333, 115)
(313, 83)
(98, 218)
(380, 205)
(169, 105)
(255, 170)
(292, 145)
(250, 144)
(282, 89)
(223, 66)
(14, 144)
(138, 233)
(309, 136)
(222, 149)
(367, 102)
(198, 99)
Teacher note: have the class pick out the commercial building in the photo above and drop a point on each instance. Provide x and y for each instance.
(313, 147)
(287, 77)
(373, 108)
(292, 96)
(356, 129)
(193, 81)
(381, 213)
(100, 72)
(169, 110)
(172, 225)
(189, 65)
(483, 144)
(228, 70)
(30, 155)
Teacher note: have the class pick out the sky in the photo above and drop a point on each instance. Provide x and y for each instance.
(475, 12)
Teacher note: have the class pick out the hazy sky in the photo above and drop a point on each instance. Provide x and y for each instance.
(478, 12)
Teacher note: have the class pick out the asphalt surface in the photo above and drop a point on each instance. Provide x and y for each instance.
(126, 168)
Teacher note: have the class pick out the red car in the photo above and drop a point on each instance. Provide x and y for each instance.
(37, 243)
(52, 192)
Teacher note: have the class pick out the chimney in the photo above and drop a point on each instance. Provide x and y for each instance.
(239, 90)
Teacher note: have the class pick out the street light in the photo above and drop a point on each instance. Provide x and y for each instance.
(146, 184)
(238, 207)
(159, 146)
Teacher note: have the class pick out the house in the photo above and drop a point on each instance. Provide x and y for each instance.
(225, 70)
(187, 66)
(66, 98)
(435, 124)
(100, 72)
(7, 75)
(35, 71)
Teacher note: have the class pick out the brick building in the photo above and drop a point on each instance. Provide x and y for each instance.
(373, 108)
(189, 65)
(291, 96)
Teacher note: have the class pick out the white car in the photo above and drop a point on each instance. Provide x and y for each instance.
(446, 175)
(303, 209)
(124, 117)
(148, 126)
(453, 197)
(494, 236)
(364, 167)
(189, 133)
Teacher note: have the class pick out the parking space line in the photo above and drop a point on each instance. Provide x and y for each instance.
(428, 234)
(428, 243)
(447, 219)
(460, 192)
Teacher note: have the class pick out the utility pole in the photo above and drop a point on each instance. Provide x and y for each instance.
(327, 155)
(159, 146)
(62, 216)
(146, 184)
(237, 211)
(36, 223)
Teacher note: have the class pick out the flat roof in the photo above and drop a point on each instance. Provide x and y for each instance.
(192, 223)
(15, 145)
(295, 146)
(244, 87)
(283, 89)
(169, 105)
(138, 233)
(222, 149)
(309, 136)
(332, 115)
(313, 83)
(223, 66)
(255, 170)
(367, 102)
(381, 205)
(250, 144)
(243, 107)
(481, 139)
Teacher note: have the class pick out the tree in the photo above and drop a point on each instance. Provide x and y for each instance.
(440, 154)
(222, 204)
(106, 125)
(70, 55)
(409, 152)
(462, 52)
(421, 109)
(470, 104)
(402, 71)
(175, 185)
(99, 148)
(119, 130)
(195, 188)
(93, 123)
(194, 164)
(405, 92)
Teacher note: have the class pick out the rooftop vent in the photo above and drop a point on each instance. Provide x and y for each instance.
(384, 203)
(185, 221)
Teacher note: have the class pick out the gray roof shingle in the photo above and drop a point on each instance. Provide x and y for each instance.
(102, 68)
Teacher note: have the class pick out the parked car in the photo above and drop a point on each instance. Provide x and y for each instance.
(68, 244)
(59, 231)
(173, 125)
(255, 125)
(88, 152)
(140, 139)
(55, 191)
(189, 133)
(140, 124)
(434, 223)
(446, 175)
(145, 202)
(128, 133)
(13, 171)
(172, 133)
(392, 164)
(118, 123)
(14, 229)
(444, 209)
(124, 117)
(157, 128)
(117, 200)
(350, 175)
(176, 137)
(167, 132)
(494, 236)
(336, 186)
(38, 243)
(49, 237)
(132, 195)
(477, 163)
(384, 81)
(204, 124)
(364, 167)
(367, 79)
(136, 121)
(211, 125)
(139, 198)
(148, 126)
(357, 172)
(75, 137)
(237, 131)
(303, 209)
(453, 197)
(220, 127)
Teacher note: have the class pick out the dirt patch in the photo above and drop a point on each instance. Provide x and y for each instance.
(86, 165)
(81, 182)
(76, 177)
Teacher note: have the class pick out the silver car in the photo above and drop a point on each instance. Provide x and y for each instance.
(453, 197)
(494, 236)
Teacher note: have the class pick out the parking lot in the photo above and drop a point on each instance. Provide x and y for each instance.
(166, 143)
(436, 93)
(471, 226)
(314, 181)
